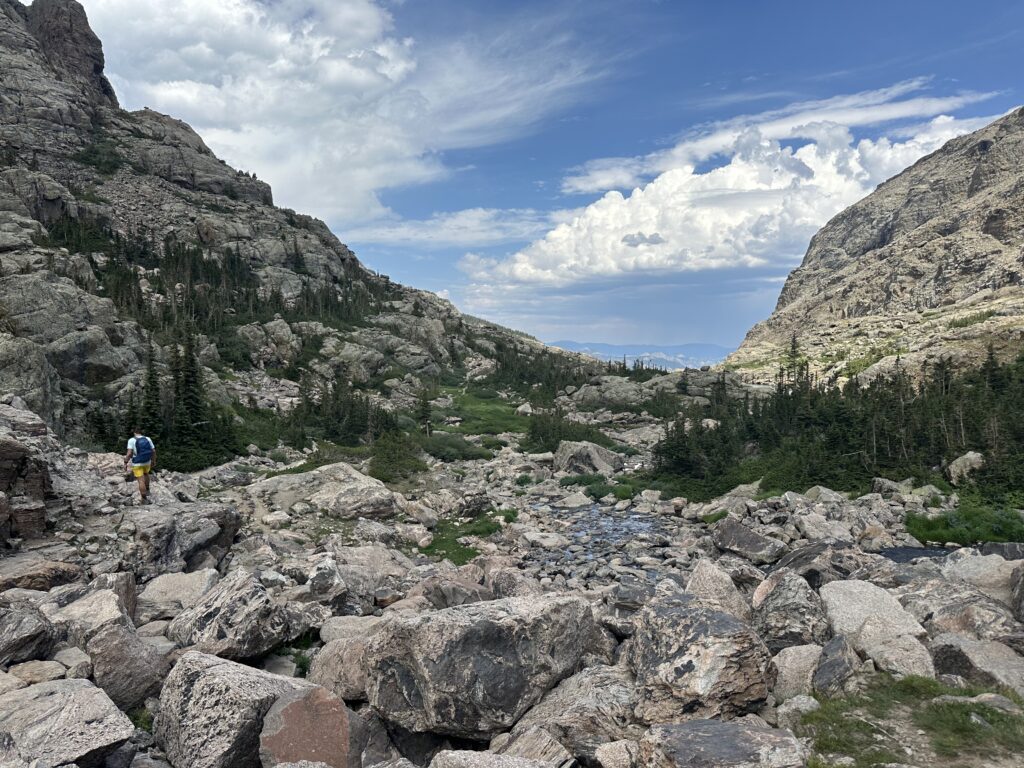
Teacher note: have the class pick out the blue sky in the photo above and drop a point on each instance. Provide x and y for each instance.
(490, 150)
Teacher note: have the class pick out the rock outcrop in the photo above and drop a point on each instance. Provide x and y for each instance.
(927, 265)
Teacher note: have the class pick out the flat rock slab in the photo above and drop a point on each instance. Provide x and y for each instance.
(63, 721)
(720, 744)
(849, 604)
(730, 535)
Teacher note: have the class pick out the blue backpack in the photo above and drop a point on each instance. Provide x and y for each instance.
(143, 450)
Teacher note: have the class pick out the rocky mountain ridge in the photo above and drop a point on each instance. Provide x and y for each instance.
(930, 264)
(74, 166)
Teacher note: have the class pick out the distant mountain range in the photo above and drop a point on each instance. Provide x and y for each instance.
(671, 357)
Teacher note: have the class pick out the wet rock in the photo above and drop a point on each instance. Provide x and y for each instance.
(692, 659)
(238, 619)
(788, 612)
(719, 744)
(474, 670)
(63, 722)
(730, 535)
(25, 634)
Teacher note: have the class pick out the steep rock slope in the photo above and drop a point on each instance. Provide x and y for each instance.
(930, 264)
(78, 175)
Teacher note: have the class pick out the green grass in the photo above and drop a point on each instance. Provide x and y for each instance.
(448, 446)
(445, 544)
(492, 443)
(302, 662)
(483, 414)
(102, 155)
(969, 320)
(843, 726)
(714, 517)
(973, 521)
(142, 719)
(395, 456)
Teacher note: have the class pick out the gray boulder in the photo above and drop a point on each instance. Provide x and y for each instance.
(128, 669)
(961, 468)
(850, 603)
(63, 722)
(171, 538)
(713, 585)
(215, 713)
(340, 665)
(837, 664)
(730, 535)
(474, 670)
(944, 606)
(795, 667)
(583, 458)
(591, 708)
(238, 619)
(165, 596)
(25, 634)
(719, 744)
(788, 612)
(692, 659)
(458, 758)
(984, 662)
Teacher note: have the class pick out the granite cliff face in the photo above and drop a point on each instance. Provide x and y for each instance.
(928, 265)
(69, 154)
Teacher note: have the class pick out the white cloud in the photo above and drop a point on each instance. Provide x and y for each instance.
(470, 227)
(323, 99)
(780, 176)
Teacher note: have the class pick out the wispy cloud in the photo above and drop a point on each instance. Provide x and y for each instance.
(325, 100)
(467, 228)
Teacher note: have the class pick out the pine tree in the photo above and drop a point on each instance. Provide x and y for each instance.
(152, 408)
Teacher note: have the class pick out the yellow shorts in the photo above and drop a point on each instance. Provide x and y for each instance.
(140, 469)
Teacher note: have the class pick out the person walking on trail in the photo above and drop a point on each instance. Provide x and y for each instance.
(141, 456)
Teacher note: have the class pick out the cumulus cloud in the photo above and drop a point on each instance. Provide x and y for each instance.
(323, 99)
(774, 180)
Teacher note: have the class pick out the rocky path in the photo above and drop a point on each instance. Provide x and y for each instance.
(248, 620)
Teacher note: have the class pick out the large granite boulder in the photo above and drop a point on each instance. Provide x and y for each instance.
(337, 490)
(340, 665)
(944, 606)
(591, 708)
(238, 619)
(718, 744)
(127, 668)
(216, 713)
(788, 612)
(474, 670)
(583, 458)
(850, 603)
(730, 535)
(691, 659)
(171, 538)
(983, 662)
(25, 634)
(63, 722)
(168, 594)
(714, 586)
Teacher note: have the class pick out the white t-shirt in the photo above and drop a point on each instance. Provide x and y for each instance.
(131, 447)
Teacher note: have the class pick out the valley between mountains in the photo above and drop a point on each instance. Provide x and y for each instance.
(383, 533)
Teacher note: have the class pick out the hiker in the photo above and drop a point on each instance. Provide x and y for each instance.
(141, 456)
